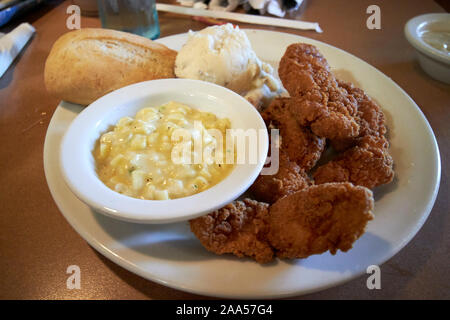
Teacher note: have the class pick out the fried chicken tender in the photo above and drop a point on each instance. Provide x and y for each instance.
(326, 217)
(322, 104)
(369, 117)
(367, 164)
(239, 228)
(289, 179)
(308, 217)
(298, 142)
(329, 216)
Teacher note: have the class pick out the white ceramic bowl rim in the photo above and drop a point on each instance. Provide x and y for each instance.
(412, 29)
(78, 164)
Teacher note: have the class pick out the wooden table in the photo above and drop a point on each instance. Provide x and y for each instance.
(37, 244)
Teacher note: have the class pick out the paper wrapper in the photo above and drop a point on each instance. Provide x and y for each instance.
(12, 43)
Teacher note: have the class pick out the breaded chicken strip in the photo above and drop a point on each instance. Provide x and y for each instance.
(367, 164)
(298, 142)
(289, 179)
(305, 74)
(327, 217)
(369, 117)
(239, 228)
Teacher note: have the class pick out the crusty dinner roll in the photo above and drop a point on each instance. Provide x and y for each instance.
(85, 64)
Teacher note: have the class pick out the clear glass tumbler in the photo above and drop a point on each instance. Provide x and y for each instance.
(135, 16)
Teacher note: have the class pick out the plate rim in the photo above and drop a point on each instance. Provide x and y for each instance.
(109, 254)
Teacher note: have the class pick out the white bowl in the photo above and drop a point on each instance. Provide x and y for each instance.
(78, 164)
(434, 62)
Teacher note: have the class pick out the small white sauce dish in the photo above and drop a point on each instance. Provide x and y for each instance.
(78, 163)
(435, 62)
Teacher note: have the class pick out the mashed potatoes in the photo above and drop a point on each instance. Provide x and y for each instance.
(139, 157)
(223, 55)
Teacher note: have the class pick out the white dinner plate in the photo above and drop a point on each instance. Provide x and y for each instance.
(172, 256)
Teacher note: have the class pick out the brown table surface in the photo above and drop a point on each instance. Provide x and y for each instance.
(37, 244)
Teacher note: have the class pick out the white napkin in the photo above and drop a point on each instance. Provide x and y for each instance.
(12, 43)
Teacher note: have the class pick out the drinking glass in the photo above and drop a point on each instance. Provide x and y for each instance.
(135, 16)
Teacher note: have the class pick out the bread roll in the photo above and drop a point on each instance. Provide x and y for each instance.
(85, 64)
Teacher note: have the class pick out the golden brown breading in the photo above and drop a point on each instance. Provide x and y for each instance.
(298, 142)
(305, 73)
(330, 216)
(367, 164)
(289, 179)
(303, 69)
(307, 219)
(326, 217)
(369, 117)
(239, 228)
